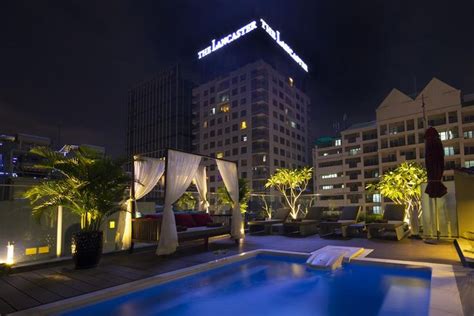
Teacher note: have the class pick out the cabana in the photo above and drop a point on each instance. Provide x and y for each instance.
(179, 169)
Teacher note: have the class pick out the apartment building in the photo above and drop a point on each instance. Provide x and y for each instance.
(345, 165)
(159, 114)
(254, 116)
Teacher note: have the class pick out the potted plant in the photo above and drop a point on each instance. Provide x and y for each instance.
(87, 183)
(291, 183)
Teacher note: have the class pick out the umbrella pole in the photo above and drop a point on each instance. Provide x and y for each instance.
(437, 218)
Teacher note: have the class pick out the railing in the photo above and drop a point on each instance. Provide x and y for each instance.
(37, 239)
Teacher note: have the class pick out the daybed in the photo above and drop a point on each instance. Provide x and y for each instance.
(191, 226)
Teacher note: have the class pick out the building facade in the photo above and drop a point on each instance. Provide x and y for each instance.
(159, 114)
(15, 157)
(345, 165)
(254, 116)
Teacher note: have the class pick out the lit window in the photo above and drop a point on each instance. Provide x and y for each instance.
(377, 209)
(264, 158)
(204, 124)
(327, 187)
(291, 82)
(469, 163)
(244, 138)
(446, 135)
(243, 125)
(224, 97)
(329, 176)
(337, 142)
(325, 154)
(354, 151)
(468, 134)
(376, 198)
(219, 155)
(213, 111)
(449, 151)
(225, 108)
(293, 124)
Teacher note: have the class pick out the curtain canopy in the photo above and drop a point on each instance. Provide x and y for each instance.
(148, 172)
(228, 171)
(180, 170)
(201, 184)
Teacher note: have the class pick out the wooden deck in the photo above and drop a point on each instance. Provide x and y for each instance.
(22, 290)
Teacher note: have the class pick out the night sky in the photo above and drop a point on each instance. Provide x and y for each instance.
(70, 63)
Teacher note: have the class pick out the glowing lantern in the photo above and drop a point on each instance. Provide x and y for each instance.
(10, 253)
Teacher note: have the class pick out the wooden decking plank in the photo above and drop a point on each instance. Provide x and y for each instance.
(5, 308)
(15, 297)
(56, 286)
(38, 293)
(129, 273)
(68, 281)
(105, 274)
(87, 277)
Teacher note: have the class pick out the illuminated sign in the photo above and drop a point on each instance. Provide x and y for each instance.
(227, 39)
(274, 34)
(276, 37)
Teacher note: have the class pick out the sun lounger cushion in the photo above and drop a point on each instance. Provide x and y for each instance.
(349, 213)
(394, 212)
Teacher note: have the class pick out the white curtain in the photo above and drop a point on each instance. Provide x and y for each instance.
(201, 184)
(148, 172)
(228, 171)
(181, 169)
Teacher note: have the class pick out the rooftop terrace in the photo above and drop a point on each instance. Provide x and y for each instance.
(55, 281)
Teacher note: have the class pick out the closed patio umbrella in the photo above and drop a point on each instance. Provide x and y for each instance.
(434, 162)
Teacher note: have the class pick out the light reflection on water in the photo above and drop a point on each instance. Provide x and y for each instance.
(280, 286)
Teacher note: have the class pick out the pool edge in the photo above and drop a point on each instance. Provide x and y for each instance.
(444, 293)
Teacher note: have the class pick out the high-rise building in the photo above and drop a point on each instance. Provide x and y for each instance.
(345, 165)
(15, 157)
(159, 114)
(255, 116)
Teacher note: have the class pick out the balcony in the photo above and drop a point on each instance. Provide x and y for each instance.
(260, 147)
(260, 134)
(259, 108)
(259, 121)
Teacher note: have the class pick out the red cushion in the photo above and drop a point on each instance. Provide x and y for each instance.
(202, 219)
(184, 220)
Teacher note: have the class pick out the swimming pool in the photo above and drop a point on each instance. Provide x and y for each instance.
(275, 283)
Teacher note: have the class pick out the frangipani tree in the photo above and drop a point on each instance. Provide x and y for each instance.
(291, 183)
(403, 186)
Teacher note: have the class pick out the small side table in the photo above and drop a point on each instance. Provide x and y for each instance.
(356, 230)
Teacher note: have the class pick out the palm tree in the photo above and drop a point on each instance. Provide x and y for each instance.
(89, 184)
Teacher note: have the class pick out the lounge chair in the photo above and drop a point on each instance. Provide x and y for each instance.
(349, 215)
(279, 217)
(308, 225)
(393, 216)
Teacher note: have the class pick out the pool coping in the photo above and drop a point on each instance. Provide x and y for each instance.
(444, 293)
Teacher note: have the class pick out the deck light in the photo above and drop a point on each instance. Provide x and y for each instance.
(10, 253)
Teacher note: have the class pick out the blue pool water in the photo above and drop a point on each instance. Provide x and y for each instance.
(275, 285)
